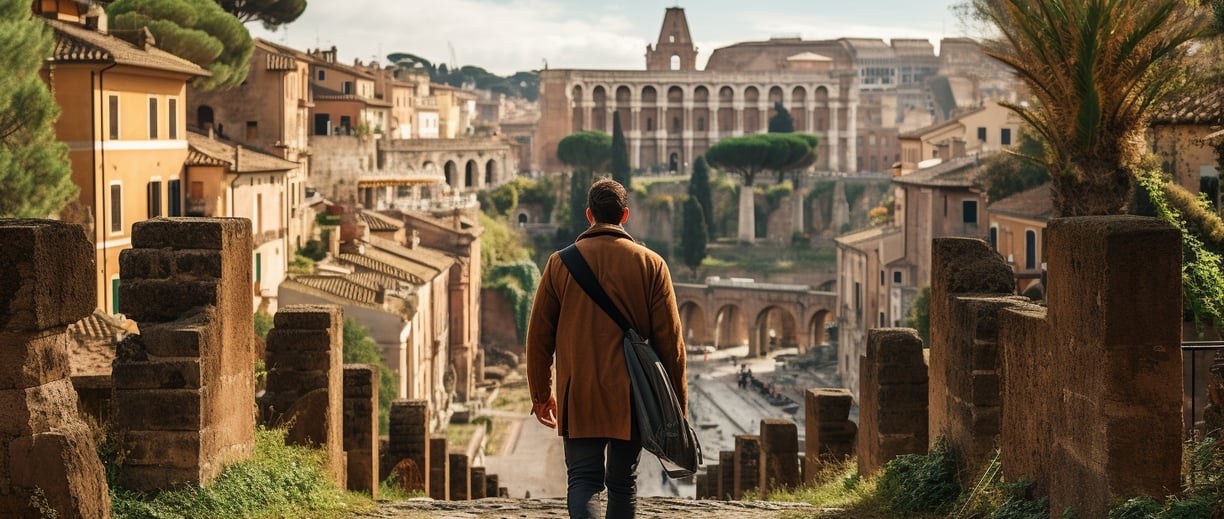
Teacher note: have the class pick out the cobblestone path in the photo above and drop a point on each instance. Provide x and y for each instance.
(551, 508)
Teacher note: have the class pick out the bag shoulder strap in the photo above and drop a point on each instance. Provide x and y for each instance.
(585, 277)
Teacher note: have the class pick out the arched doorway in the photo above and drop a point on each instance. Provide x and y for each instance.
(730, 328)
(774, 328)
(488, 180)
(693, 325)
(673, 162)
(204, 117)
(450, 171)
(469, 174)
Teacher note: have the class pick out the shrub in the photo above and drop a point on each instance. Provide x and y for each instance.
(263, 324)
(277, 481)
(917, 483)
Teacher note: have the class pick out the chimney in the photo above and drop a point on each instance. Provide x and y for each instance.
(414, 241)
(95, 19)
(237, 153)
(145, 39)
(958, 148)
(333, 242)
(455, 220)
(944, 152)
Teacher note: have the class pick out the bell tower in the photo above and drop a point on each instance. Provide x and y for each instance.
(674, 50)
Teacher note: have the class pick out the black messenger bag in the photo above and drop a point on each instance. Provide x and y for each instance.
(662, 426)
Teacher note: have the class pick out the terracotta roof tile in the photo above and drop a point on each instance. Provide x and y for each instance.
(341, 287)
(368, 262)
(214, 152)
(75, 43)
(1197, 108)
(378, 222)
(961, 172)
(1035, 204)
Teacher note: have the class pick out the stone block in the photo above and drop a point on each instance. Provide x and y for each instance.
(309, 317)
(192, 233)
(439, 470)
(726, 483)
(478, 483)
(183, 338)
(746, 463)
(159, 409)
(361, 427)
(829, 433)
(779, 466)
(701, 488)
(37, 409)
(888, 407)
(29, 359)
(491, 486)
(180, 449)
(63, 463)
(715, 490)
(164, 374)
(460, 477)
(46, 275)
(162, 300)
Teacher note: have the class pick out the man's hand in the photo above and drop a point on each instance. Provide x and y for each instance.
(546, 413)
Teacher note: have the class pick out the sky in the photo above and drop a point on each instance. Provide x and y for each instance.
(505, 36)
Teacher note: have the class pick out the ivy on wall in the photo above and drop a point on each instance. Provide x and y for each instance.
(517, 281)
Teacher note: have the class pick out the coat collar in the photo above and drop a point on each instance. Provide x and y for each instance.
(604, 229)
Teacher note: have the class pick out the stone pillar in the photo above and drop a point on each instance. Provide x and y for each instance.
(747, 461)
(893, 398)
(702, 485)
(779, 455)
(834, 137)
(439, 470)
(737, 126)
(185, 387)
(726, 476)
(460, 477)
(970, 285)
(828, 431)
(408, 438)
(46, 283)
(1097, 376)
(305, 390)
(746, 231)
(478, 483)
(361, 427)
(714, 481)
(852, 137)
(491, 488)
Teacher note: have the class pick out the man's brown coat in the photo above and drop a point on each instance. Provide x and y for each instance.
(592, 388)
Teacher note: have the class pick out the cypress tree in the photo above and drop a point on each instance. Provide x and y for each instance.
(782, 121)
(35, 176)
(620, 154)
(694, 238)
(699, 188)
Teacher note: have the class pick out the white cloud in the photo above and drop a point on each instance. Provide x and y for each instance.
(504, 36)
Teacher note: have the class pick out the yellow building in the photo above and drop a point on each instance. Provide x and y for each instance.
(122, 103)
(989, 128)
(1017, 231)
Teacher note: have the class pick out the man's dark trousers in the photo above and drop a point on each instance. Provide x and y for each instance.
(584, 460)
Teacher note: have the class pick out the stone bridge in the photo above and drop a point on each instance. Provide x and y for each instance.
(732, 312)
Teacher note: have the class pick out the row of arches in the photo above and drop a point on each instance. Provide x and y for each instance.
(474, 174)
(649, 94)
(772, 327)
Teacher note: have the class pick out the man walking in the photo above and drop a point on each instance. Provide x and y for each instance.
(591, 407)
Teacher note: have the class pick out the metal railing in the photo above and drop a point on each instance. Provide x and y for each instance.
(1195, 384)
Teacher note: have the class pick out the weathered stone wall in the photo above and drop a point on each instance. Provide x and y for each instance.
(828, 432)
(408, 438)
(184, 399)
(747, 461)
(361, 427)
(1092, 392)
(305, 389)
(893, 406)
(779, 455)
(497, 328)
(46, 283)
(970, 285)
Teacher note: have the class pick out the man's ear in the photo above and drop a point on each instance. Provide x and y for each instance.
(624, 215)
(590, 217)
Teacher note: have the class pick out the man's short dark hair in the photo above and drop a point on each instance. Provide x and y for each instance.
(607, 201)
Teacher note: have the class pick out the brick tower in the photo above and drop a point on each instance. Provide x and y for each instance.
(674, 42)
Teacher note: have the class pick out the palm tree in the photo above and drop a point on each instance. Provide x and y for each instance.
(1096, 69)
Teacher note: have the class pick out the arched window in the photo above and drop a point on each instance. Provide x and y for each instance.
(994, 237)
(675, 124)
(522, 219)
(204, 117)
(675, 62)
(701, 124)
(649, 124)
